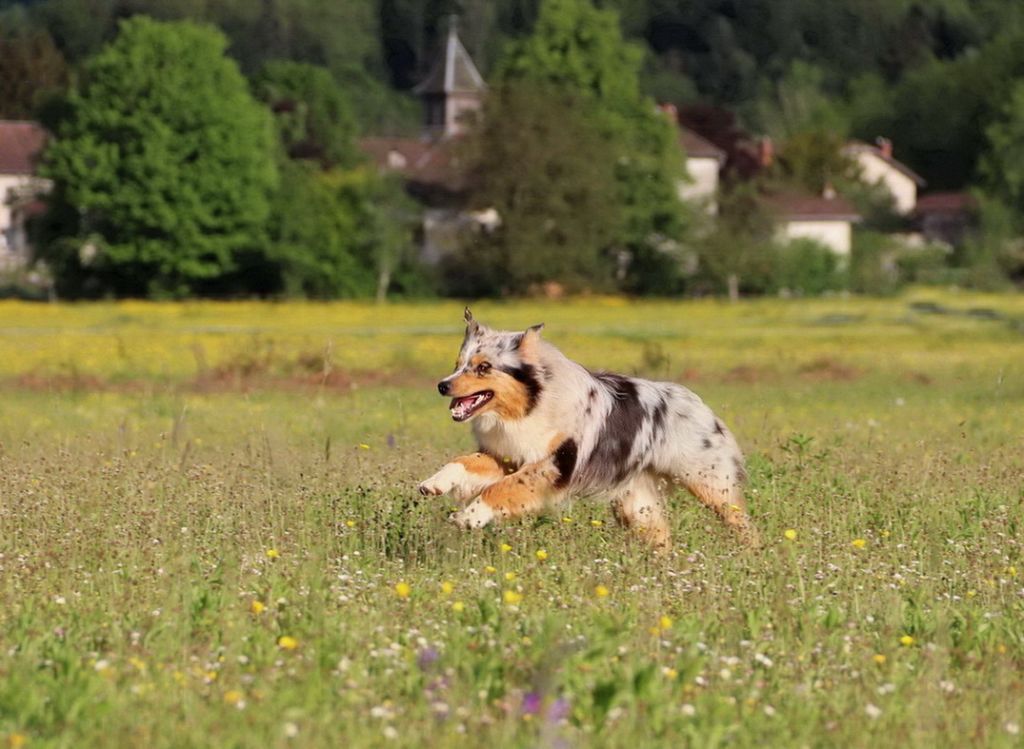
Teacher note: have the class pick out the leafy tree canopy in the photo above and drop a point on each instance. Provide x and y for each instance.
(163, 165)
(577, 50)
(313, 114)
(31, 68)
(543, 165)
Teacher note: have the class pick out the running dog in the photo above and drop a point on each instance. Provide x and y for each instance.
(548, 428)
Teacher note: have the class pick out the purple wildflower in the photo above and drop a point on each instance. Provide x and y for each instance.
(531, 703)
(427, 658)
(559, 710)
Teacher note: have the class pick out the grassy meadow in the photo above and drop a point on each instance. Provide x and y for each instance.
(210, 534)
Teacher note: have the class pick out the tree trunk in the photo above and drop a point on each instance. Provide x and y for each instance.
(734, 287)
(383, 282)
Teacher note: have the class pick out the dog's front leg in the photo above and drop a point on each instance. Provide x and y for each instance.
(464, 477)
(526, 490)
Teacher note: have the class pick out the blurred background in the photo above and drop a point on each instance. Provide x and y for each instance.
(491, 148)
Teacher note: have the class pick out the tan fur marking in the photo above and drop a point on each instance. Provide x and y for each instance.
(555, 443)
(511, 400)
(519, 493)
(730, 505)
(527, 346)
(481, 464)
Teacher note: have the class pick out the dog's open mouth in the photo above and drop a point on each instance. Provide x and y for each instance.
(463, 408)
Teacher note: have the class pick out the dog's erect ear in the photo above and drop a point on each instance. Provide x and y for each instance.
(530, 337)
(472, 326)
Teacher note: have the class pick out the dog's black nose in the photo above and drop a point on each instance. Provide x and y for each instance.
(443, 387)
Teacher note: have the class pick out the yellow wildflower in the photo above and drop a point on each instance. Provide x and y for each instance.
(490, 570)
(597, 523)
(906, 641)
(879, 659)
(858, 543)
(273, 553)
(16, 740)
(790, 534)
(567, 519)
(350, 523)
(363, 446)
(512, 598)
(505, 548)
(257, 607)
(403, 589)
(600, 591)
(233, 697)
(458, 607)
(287, 642)
(670, 673)
(510, 576)
(541, 555)
(665, 622)
(447, 587)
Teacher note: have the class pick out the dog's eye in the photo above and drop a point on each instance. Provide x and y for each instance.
(483, 368)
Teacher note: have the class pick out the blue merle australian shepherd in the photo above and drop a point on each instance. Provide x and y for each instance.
(548, 428)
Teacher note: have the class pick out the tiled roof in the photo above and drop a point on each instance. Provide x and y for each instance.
(427, 162)
(945, 202)
(697, 147)
(856, 147)
(21, 144)
(806, 207)
(453, 71)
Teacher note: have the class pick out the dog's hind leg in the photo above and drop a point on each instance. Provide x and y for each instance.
(638, 505)
(465, 477)
(721, 488)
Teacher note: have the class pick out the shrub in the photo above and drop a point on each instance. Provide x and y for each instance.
(807, 267)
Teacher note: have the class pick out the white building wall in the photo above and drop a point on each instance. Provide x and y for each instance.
(875, 170)
(836, 234)
(703, 184)
(16, 190)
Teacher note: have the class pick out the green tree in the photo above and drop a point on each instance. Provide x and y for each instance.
(162, 168)
(341, 234)
(543, 165)
(31, 69)
(313, 115)
(577, 51)
(314, 232)
(1003, 165)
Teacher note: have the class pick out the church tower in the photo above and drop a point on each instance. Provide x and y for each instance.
(454, 89)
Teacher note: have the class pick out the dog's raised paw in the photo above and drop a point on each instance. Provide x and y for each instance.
(474, 515)
(450, 477)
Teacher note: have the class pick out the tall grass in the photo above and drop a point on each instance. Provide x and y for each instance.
(249, 565)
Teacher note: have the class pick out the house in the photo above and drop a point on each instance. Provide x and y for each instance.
(21, 145)
(946, 217)
(877, 166)
(431, 165)
(827, 219)
(703, 164)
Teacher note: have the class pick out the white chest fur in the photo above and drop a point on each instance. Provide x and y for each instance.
(522, 441)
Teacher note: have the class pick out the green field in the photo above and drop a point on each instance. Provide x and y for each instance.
(210, 534)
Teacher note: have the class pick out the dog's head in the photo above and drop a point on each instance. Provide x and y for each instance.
(496, 373)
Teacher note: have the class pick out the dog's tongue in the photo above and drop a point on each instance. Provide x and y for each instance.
(460, 407)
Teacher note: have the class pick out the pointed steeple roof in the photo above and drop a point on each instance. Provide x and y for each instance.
(454, 71)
